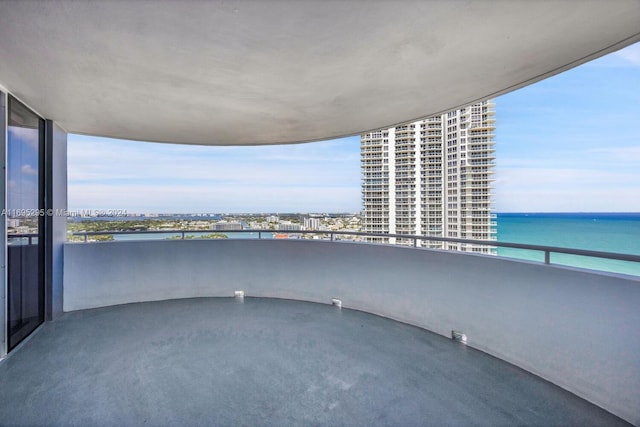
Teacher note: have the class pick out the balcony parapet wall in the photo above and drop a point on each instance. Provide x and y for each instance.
(572, 327)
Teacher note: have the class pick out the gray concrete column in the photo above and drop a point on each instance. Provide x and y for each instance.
(56, 219)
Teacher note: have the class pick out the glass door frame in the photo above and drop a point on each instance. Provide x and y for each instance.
(4, 316)
(6, 345)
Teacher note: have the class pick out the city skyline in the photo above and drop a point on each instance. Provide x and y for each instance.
(550, 158)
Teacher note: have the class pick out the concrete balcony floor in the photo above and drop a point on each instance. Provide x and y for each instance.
(217, 361)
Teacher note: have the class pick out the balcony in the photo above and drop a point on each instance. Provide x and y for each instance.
(151, 334)
(263, 361)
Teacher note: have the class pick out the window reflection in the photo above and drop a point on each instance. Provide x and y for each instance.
(25, 133)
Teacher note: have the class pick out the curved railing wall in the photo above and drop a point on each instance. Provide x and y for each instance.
(417, 241)
(575, 328)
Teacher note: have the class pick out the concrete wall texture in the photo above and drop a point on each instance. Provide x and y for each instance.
(574, 328)
(57, 190)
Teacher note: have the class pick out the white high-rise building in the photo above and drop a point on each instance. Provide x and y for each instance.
(432, 177)
(312, 223)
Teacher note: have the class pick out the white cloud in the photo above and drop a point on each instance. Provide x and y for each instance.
(576, 200)
(104, 161)
(618, 154)
(560, 177)
(630, 54)
(26, 135)
(29, 170)
(204, 198)
(23, 196)
(567, 190)
(623, 58)
(164, 178)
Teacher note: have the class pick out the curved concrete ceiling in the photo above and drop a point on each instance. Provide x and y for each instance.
(261, 72)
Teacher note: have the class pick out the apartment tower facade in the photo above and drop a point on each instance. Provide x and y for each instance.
(432, 177)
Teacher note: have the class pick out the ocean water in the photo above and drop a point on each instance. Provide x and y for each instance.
(607, 232)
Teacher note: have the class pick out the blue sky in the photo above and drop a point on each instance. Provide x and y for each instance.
(567, 144)
(145, 177)
(571, 143)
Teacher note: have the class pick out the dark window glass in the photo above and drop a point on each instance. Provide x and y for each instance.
(25, 140)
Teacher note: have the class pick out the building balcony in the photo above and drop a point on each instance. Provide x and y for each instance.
(151, 333)
(480, 147)
(482, 126)
(146, 332)
(481, 163)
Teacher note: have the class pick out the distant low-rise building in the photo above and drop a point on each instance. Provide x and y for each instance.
(312, 223)
(225, 226)
(287, 226)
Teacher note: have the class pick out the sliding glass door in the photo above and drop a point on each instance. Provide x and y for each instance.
(25, 220)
